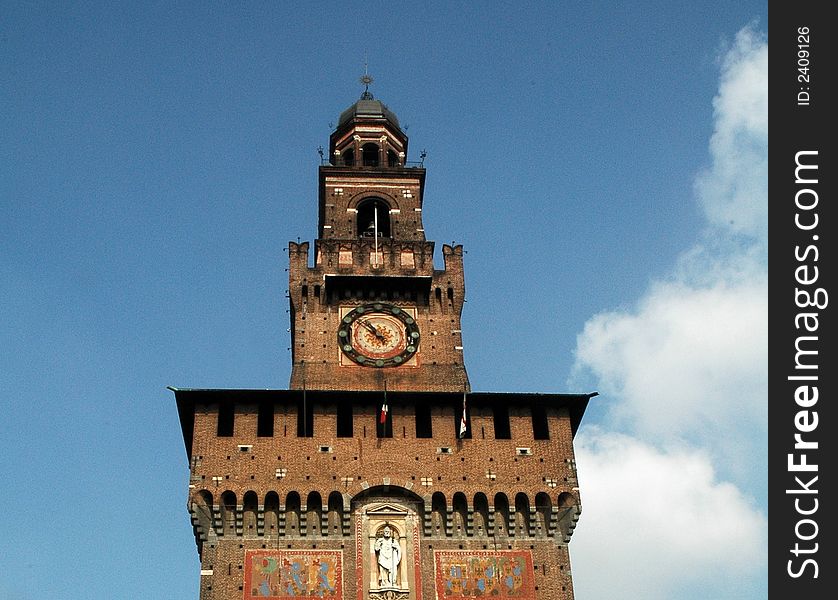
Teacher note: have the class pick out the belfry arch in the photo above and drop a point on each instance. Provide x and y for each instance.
(373, 218)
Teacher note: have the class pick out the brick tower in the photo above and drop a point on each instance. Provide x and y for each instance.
(379, 474)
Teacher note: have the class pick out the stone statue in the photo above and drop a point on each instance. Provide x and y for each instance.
(389, 555)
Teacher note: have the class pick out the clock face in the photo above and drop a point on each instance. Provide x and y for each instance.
(378, 335)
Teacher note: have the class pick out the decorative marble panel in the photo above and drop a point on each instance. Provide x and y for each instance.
(484, 574)
(292, 574)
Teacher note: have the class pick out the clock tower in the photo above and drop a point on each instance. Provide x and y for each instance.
(372, 311)
(379, 474)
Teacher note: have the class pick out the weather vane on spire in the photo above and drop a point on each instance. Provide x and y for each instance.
(366, 79)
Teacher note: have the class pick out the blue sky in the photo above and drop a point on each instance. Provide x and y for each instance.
(602, 163)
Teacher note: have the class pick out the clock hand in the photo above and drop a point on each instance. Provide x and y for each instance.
(372, 328)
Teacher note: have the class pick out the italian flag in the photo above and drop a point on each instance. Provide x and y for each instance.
(384, 408)
(463, 425)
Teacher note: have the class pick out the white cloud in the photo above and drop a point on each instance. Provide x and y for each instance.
(685, 369)
(733, 192)
(658, 525)
(688, 364)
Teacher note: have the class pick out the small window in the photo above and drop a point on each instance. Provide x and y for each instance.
(458, 418)
(500, 416)
(540, 427)
(305, 417)
(424, 427)
(344, 420)
(265, 420)
(226, 419)
(384, 429)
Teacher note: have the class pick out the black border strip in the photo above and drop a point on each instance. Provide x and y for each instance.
(802, 227)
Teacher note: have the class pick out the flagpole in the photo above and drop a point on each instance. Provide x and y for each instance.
(375, 232)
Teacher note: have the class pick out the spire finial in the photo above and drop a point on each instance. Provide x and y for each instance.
(366, 79)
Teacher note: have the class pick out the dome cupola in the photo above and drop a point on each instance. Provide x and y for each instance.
(368, 134)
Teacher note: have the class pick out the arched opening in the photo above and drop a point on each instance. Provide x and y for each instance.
(292, 514)
(543, 510)
(438, 514)
(202, 509)
(314, 513)
(228, 513)
(501, 514)
(392, 159)
(460, 516)
(348, 157)
(374, 218)
(567, 513)
(250, 508)
(380, 492)
(271, 513)
(481, 515)
(369, 155)
(565, 501)
(335, 515)
(522, 515)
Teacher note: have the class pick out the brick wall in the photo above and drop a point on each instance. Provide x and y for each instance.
(274, 492)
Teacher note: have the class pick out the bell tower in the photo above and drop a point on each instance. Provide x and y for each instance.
(372, 311)
(379, 474)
